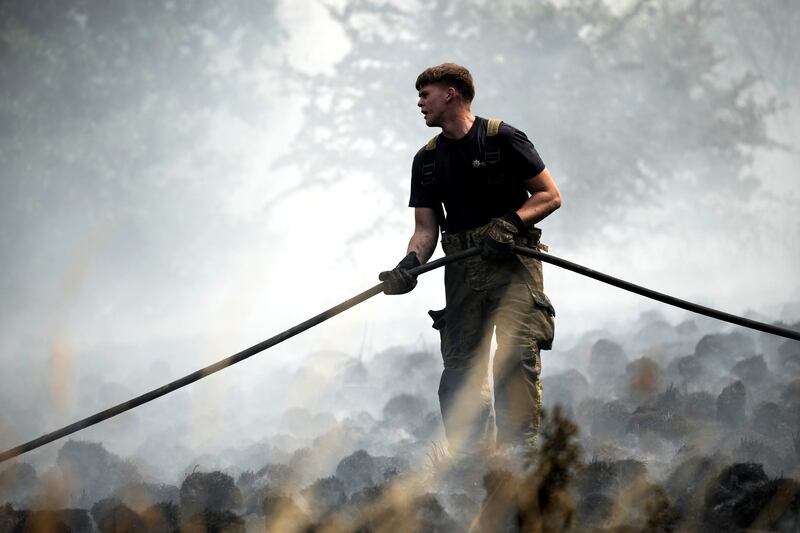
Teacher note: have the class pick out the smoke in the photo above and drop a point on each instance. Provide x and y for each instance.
(209, 176)
(368, 445)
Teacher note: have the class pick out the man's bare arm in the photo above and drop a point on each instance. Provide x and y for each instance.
(426, 234)
(544, 199)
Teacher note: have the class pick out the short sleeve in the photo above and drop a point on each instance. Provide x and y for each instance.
(524, 161)
(421, 195)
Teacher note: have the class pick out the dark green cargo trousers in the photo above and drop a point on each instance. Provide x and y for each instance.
(485, 297)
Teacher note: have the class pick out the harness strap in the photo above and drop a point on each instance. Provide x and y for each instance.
(491, 159)
(429, 176)
(492, 152)
(493, 128)
(429, 162)
(432, 143)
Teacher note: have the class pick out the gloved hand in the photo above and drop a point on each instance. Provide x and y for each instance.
(498, 243)
(398, 280)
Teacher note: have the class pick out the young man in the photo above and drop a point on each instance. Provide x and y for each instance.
(491, 183)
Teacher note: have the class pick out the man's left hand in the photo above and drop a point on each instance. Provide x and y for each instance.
(498, 243)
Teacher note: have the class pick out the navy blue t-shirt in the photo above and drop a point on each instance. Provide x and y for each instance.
(463, 186)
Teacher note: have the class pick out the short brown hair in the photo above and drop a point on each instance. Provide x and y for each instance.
(449, 74)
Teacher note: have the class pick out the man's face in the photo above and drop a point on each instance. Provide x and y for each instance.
(433, 101)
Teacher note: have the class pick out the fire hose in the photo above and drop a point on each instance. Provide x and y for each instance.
(369, 293)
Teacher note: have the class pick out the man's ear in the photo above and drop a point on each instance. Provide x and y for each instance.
(451, 93)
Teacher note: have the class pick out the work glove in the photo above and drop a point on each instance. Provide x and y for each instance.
(399, 280)
(498, 243)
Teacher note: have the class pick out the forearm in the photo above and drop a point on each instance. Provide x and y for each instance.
(538, 206)
(544, 199)
(424, 244)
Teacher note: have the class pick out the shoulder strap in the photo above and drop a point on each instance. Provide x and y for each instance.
(492, 152)
(493, 127)
(429, 175)
(432, 143)
(429, 162)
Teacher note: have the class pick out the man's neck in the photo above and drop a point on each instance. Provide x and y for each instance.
(458, 126)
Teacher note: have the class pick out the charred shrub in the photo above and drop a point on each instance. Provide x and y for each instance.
(545, 499)
(422, 513)
(36, 521)
(600, 484)
(666, 424)
(65, 520)
(103, 507)
(659, 516)
(773, 420)
(278, 476)
(609, 419)
(774, 505)
(644, 379)
(789, 356)
(431, 516)
(645, 507)
(356, 471)
(566, 389)
(10, 519)
(691, 369)
(121, 518)
(366, 496)
(270, 480)
(687, 485)
(699, 405)
(404, 410)
(500, 510)
(610, 477)
(606, 361)
(725, 348)
(92, 472)
(729, 497)
(77, 520)
(325, 496)
(163, 517)
(141, 495)
(756, 451)
(594, 510)
(18, 484)
(669, 400)
(791, 394)
(752, 370)
(213, 491)
(281, 513)
(731, 403)
(213, 522)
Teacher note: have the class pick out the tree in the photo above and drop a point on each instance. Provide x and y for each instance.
(628, 108)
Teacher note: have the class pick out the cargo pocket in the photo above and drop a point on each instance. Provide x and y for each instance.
(439, 323)
(543, 327)
(438, 318)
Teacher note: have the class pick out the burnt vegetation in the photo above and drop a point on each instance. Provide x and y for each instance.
(630, 441)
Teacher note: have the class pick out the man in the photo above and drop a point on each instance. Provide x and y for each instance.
(491, 183)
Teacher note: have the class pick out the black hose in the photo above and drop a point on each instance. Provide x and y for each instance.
(216, 367)
(661, 297)
(355, 300)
